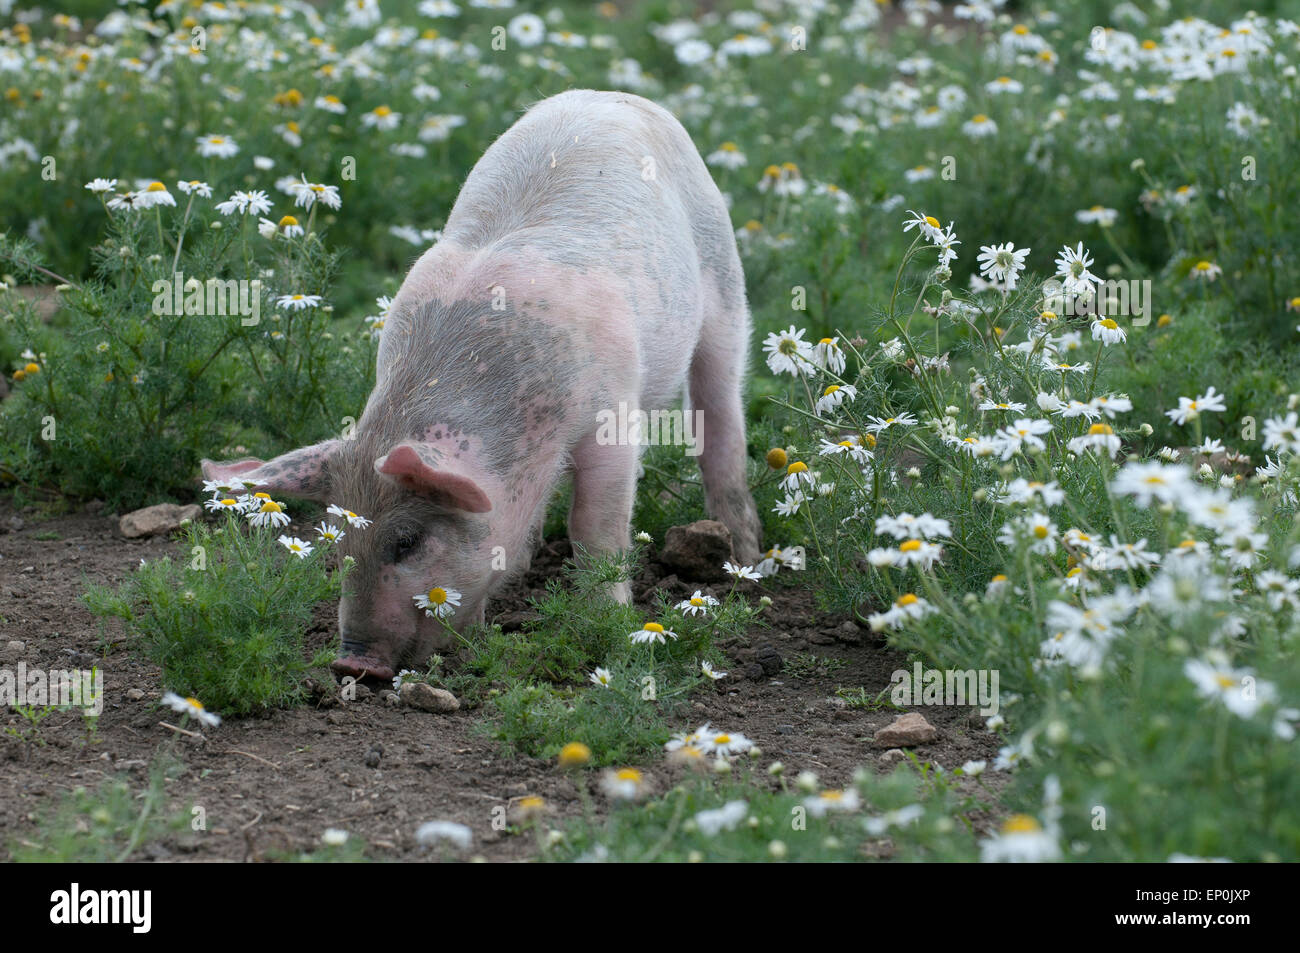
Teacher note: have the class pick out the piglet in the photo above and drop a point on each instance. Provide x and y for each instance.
(587, 272)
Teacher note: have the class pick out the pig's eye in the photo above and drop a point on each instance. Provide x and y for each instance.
(405, 546)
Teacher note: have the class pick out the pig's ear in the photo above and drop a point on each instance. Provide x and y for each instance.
(421, 470)
(300, 472)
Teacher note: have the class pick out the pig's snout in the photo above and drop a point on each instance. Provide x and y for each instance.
(360, 660)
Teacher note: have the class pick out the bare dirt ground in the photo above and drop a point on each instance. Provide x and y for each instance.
(272, 785)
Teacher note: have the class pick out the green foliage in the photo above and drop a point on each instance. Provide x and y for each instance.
(106, 824)
(538, 680)
(133, 390)
(912, 815)
(226, 624)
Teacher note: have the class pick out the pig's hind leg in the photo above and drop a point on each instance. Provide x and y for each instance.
(716, 379)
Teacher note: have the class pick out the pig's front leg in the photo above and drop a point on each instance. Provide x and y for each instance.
(604, 485)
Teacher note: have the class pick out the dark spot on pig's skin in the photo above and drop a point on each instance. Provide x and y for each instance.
(533, 363)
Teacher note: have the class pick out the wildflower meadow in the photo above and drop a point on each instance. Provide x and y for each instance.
(1019, 415)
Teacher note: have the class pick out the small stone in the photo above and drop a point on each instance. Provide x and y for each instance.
(14, 651)
(975, 719)
(373, 756)
(906, 731)
(893, 756)
(753, 671)
(849, 631)
(768, 657)
(156, 520)
(673, 586)
(135, 694)
(427, 698)
(821, 638)
(390, 698)
(697, 550)
(335, 717)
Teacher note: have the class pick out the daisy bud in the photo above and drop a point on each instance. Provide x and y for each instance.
(777, 850)
(776, 769)
(1205, 472)
(1057, 732)
(1177, 645)
(951, 410)
(721, 766)
(806, 782)
(914, 473)
(980, 495)
(943, 825)
(1146, 430)
(764, 601)
(755, 753)
(694, 857)
(1138, 163)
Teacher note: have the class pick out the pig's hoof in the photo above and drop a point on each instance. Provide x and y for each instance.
(361, 667)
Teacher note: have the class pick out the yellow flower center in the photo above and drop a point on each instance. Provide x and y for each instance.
(911, 546)
(1020, 824)
(156, 187)
(1097, 430)
(574, 753)
(907, 599)
(797, 467)
(653, 627)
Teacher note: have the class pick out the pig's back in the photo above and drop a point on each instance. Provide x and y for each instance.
(590, 174)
